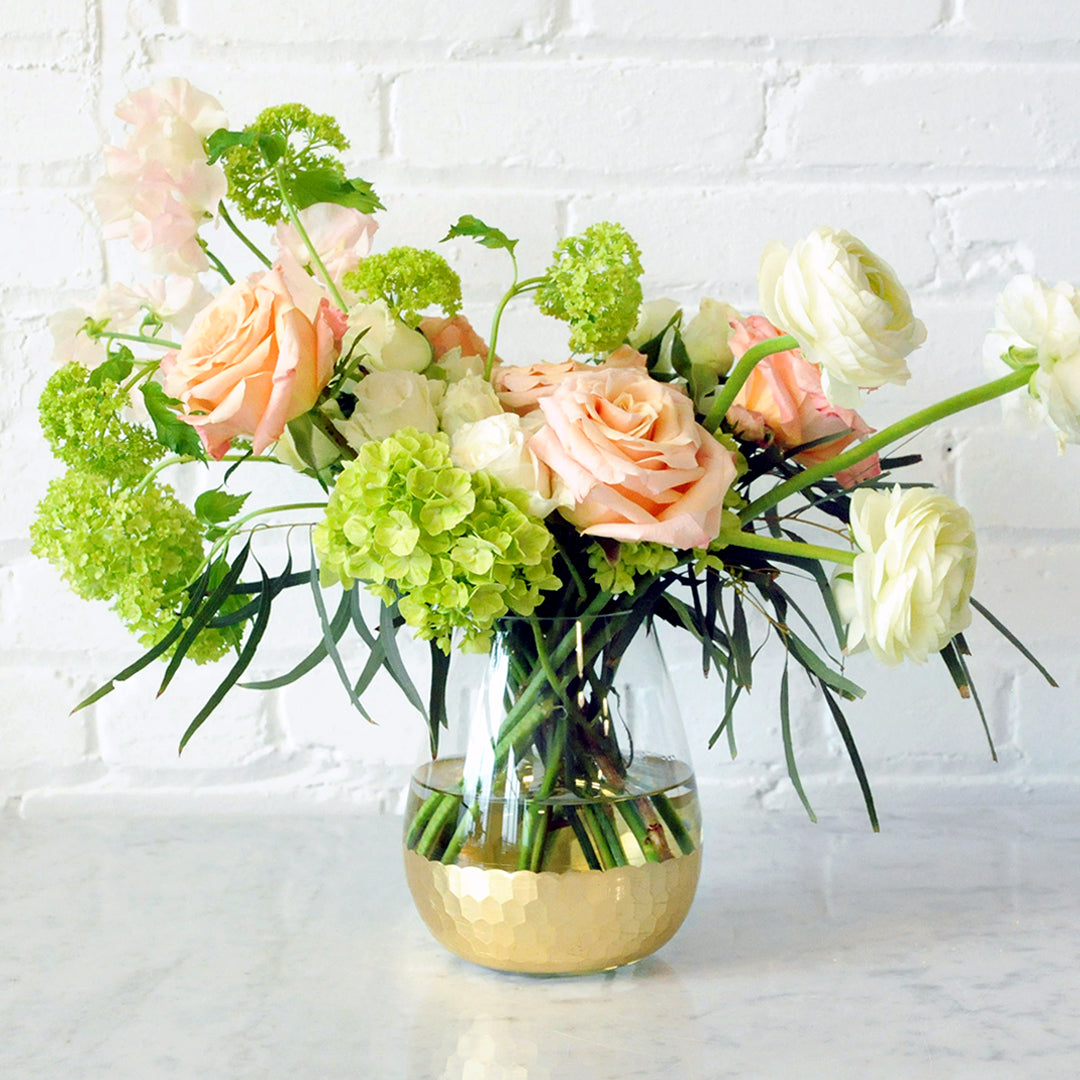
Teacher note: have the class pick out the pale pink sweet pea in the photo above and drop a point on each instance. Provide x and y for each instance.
(633, 460)
(252, 361)
(783, 396)
(340, 234)
(174, 99)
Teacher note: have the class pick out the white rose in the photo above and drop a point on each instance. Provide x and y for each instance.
(845, 307)
(456, 367)
(652, 319)
(498, 445)
(390, 345)
(706, 336)
(466, 401)
(1043, 325)
(909, 588)
(387, 401)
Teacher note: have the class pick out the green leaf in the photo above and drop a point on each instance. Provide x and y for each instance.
(740, 645)
(789, 749)
(1013, 640)
(247, 654)
(222, 140)
(217, 506)
(853, 753)
(116, 369)
(394, 664)
(318, 185)
(816, 666)
(488, 235)
(272, 146)
(961, 651)
(317, 655)
(440, 670)
(170, 430)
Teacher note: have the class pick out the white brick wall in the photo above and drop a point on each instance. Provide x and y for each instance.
(944, 132)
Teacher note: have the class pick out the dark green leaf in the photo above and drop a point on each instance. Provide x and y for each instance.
(286, 579)
(272, 146)
(170, 430)
(816, 666)
(206, 612)
(258, 628)
(440, 669)
(313, 658)
(956, 669)
(789, 749)
(853, 753)
(394, 663)
(116, 369)
(1013, 640)
(323, 184)
(962, 651)
(740, 644)
(217, 506)
(488, 235)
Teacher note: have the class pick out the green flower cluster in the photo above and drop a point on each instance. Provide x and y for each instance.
(136, 548)
(456, 551)
(617, 568)
(81, 417)
(410, 280)
(593, 285)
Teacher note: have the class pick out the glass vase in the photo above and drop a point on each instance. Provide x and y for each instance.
(559, 830)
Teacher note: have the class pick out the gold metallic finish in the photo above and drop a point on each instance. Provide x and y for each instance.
(548, 923)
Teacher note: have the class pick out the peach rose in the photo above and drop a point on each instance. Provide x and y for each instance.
(783, 394)
(456, 333)
(521, 387)
(252, 361)
(634, 461)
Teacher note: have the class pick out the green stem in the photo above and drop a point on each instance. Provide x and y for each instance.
(146, 369)
(757, 542)
(536, 827)
(632, 816)
(142, 338)
(674, 823)
(528, 285)
(726, 395)
(185, 459)
(922, 418)
(225, 216)
(217, 264)
(294, 218)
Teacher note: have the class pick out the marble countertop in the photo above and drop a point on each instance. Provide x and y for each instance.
(286, 946)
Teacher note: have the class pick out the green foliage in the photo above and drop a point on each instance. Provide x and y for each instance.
(456, 551)
(618, 567)
(80, 414)
(135, 549)
(299, 145)
(488, 235)
(171, 431)
(410, 280)
(593, 285)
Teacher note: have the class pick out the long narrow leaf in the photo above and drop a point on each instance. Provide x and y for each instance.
(206, 612)
(853, 754)
(247, 653)
(740, 644)
(817, 667)
(789, 749)
(961, 652)
(1013, 640)
(956, 669)
(440, 671)
(313, 658)
(277, 585)
(394, 664)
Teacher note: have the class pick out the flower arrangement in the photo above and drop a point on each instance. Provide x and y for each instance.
(670, 470)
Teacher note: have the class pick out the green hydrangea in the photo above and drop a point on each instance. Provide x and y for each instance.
(135, 549)
(82, 423)
(457, 551)
(593, 285)
(410, 280)
(618, 567)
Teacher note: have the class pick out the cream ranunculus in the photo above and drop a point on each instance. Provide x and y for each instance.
(386, 402)
(466, 401)
(845, 307)
(1042, 324)
(707, 335)
(389, 344)
(498, 445)
(909, 589)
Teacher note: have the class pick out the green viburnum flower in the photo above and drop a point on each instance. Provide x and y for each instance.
(630, 562)
(297, 135)
(457, 551)
(410, 280)
(593, 285)
(137, 549)
(82, 423)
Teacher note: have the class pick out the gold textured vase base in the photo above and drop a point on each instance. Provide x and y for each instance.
(567, 923)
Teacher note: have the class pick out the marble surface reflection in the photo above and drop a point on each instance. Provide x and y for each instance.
(285, 946)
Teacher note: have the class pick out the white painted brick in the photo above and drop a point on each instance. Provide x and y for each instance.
(36, 725)
(344, 20)
(613, 118)
(26, 262)
(59, 125)
(780, 19)
(936, 115)
(45, 18)
(1049, 20)
(1047, 734)
(722, 233)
